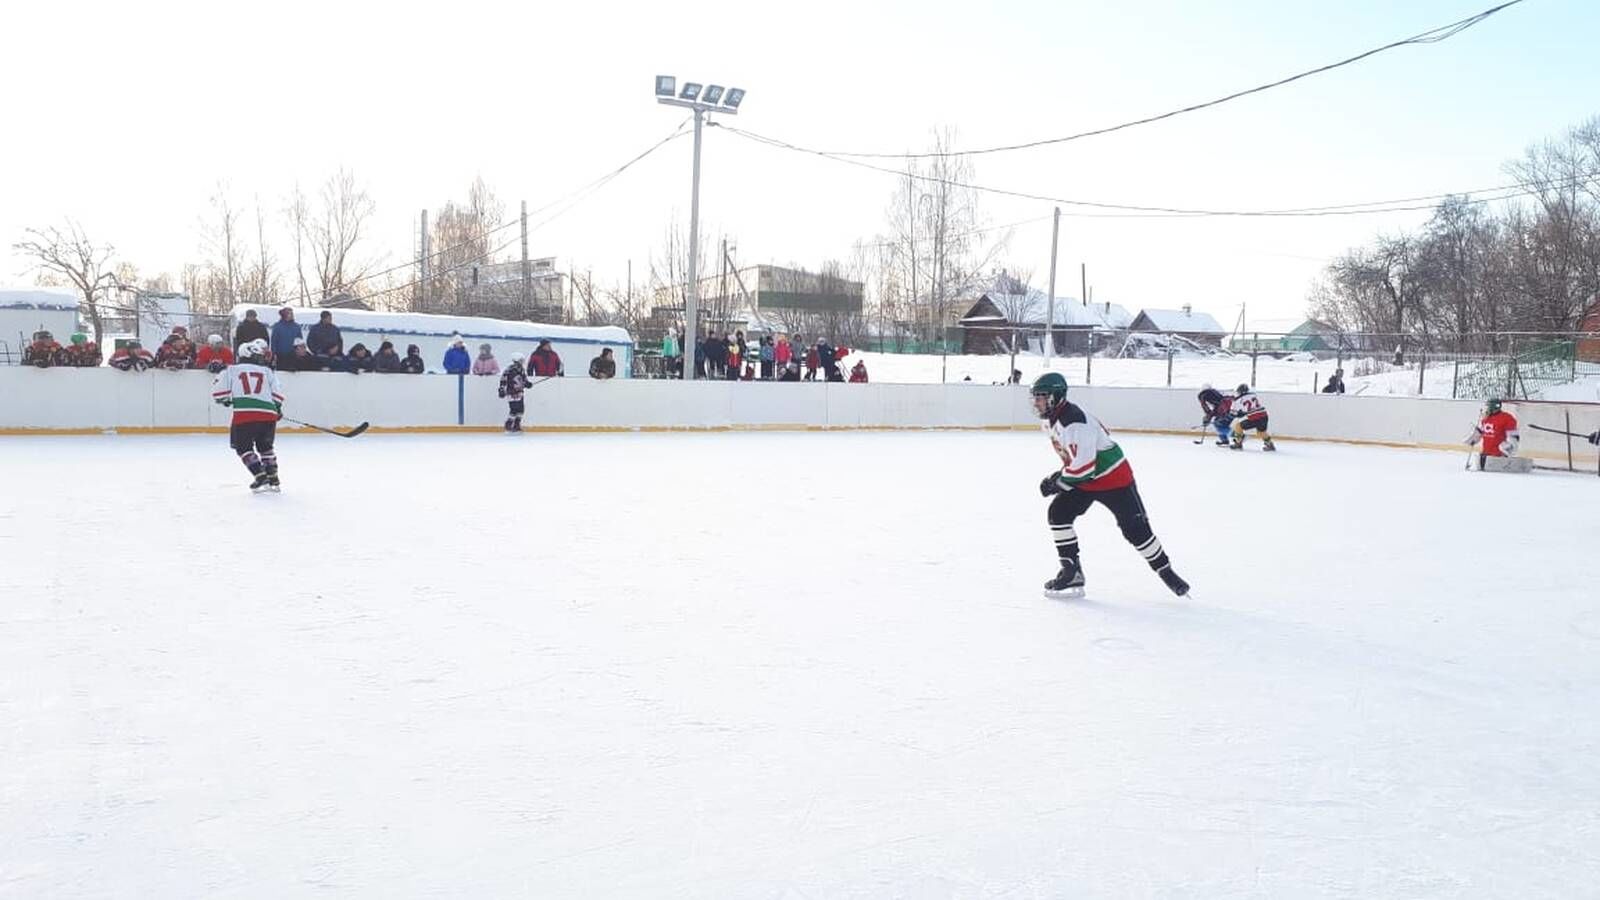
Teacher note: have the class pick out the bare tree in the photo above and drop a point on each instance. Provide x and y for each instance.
(462, 236)
(69, 254)
(261, 275)
(298, 214)
(334, 232)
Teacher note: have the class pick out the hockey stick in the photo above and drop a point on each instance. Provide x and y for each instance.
(344, 434)
(1581, 437)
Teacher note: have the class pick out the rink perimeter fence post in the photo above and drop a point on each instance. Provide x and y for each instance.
(461, 399)
(1255, 351)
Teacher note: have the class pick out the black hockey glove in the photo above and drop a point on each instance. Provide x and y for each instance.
(1051, 485)
(225, 401)
(1595, 439)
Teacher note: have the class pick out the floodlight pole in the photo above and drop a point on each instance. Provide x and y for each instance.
(1050, 308)
(691, 294)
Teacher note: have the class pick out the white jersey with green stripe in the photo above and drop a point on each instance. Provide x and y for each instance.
(251, 389)
(1090, 458)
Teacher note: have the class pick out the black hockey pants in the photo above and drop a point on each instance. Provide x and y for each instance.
(1124, 503)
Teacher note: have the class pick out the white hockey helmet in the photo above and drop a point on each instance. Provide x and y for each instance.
(255, 348)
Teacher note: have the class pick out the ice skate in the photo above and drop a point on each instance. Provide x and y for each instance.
(1067, 585)
(273, 484)
(1171, 579)
(1268, 445)
(259, 484)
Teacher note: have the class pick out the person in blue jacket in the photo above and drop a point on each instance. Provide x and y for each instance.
(457, 361)
(284, 331)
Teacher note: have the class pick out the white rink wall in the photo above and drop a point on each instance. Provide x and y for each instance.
(53, 400)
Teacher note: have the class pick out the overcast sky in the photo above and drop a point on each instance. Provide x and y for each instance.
(125, 116)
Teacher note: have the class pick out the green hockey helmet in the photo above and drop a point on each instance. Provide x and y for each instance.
(1051, 385)
(1491, 406)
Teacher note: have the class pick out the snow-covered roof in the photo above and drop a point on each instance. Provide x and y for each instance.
(1069, 312)
(1182, 321)
(38, 298)
(471, 327)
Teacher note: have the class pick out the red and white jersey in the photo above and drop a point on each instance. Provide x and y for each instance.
(1248, 406)
(252, 390)
(1495, 429)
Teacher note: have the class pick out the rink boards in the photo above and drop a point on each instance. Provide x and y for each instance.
(92, 401)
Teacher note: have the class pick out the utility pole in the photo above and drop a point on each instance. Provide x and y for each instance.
(422, 284)
(1050, 307)
(701, 99)
(527, 272)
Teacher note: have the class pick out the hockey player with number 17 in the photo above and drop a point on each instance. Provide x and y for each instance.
(1093, 470)
(250, 388)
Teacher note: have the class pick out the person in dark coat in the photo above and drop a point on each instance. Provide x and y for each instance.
(324, 338)
(603, 366)
(1335, 383)
(386, 361)
(360, 359)
(284, 332)
(299, 359)
(250, 329)
(826, 360)
(413, 364)
(791, 372)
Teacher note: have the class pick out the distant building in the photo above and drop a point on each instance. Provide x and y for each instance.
(996, 318)
(495, 290)
(1310, 336)
(1589, 324)
(761, 299)
(1198, 327)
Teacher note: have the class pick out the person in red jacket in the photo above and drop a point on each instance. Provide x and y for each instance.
(132, 358)
(545, 361)
(858, 372)
(43, 352)
(214, 356)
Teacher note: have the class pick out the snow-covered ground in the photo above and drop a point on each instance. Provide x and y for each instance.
(1191, 372)
(788, 665)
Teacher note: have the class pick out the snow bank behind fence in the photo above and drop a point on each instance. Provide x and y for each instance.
(64, 400)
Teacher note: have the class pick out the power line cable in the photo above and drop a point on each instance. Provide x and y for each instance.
(1431, 36)
(1126, 210)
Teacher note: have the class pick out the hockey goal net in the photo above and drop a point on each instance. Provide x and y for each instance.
(1541, 422)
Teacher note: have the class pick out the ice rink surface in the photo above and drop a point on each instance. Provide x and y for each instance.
(788, 665)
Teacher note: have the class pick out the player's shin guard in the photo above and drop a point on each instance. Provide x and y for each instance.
(1152, 551)
(1066, 540)
(252, 462)
(269, 462)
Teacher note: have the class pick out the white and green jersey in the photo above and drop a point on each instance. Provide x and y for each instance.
(1090, 459)
(252, 390)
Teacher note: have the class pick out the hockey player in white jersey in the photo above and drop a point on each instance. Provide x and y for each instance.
(1250, 414)
(250, 388)
(1093, 470)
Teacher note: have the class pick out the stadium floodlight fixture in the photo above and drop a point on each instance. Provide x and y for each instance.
(704, 100)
